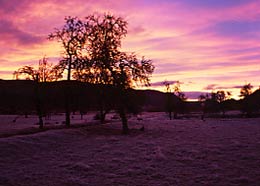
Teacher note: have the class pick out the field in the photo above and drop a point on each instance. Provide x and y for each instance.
(168, 152)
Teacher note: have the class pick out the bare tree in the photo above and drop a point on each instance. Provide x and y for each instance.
(179, 106)
(178, 92)
(169, 99)
(72, 36)
(107, 65)
(174, 105)
(221, 97)
(46, 72)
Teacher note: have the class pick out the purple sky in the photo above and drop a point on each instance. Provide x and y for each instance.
(200, 43)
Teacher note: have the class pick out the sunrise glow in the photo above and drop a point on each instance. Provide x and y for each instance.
(207, 45)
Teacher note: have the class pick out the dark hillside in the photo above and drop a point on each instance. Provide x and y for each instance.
(18, 96)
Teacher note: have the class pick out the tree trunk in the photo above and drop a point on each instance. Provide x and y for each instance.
(67, 111)
(170, 115)
(102, 114)
(102, 108)
(38, 104)
(122, 109)
(67, 91)
(39, 113)
(124, 121)
(67, 104)
(40, 122)
(81, 115)
(69, 68)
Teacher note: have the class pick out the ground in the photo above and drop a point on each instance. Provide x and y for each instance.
(168, 152)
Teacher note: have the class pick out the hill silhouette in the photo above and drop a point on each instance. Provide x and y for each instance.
(18, 97)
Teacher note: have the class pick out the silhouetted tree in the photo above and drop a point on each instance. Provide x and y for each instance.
(169, 99)
(45, 72)
(221, 97)
(246, 90)
(247, 103)
(179, 106)
(202, 99)
(106, 65)
(72, 37)
(178, 92)
(174, 105)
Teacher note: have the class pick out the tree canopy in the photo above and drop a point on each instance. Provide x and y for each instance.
(92, 52)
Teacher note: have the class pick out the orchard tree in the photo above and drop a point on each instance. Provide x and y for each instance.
(178, 92)
(172, 104)
(247, 103)
(106, 64)
(72, 37)
(246, 90)
(169, 99)
(221, 97)
(46, 72)
(179, 106)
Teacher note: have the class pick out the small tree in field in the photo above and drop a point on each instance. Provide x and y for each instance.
(179, 106)
(202, 100)
(174, 105)
(247, 104)
(169, 99)
(221, 97)
(178, 92)
(46, 72)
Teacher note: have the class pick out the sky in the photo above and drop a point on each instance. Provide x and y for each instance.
(206, 45)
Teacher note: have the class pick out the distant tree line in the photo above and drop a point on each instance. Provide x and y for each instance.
(216, 103)
(221, 101)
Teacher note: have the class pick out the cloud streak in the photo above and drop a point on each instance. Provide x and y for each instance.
(11, 33)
